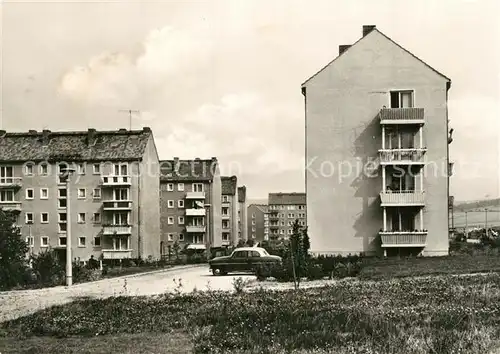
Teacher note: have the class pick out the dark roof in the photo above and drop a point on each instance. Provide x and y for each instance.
(91, 145)
(262, 207)
(188, 170)
(287, 198)
(229, 185)
(242, 194)
(373, 30)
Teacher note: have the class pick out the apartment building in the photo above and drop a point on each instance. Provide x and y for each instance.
(242, 213)
(284, 209)
(190, 204)
(377, 164)
(112, 199)
(229, 210)
(258, 222)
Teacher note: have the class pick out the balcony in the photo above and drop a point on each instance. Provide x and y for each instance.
(226, 216)
(401, 116)
(195, 195)
(402, 198)
(402, 156)
(11, 182)
(116, 181)
(196, 212)
(403, 238)
(117, 254)
(195, 228)
(117, 230)
(117, 205)
(11, 205)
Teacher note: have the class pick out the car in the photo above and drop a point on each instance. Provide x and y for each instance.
(243, 259)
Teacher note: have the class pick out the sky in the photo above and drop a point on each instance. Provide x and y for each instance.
(222, 78)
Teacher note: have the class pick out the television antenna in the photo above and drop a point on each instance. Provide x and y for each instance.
(130, 111)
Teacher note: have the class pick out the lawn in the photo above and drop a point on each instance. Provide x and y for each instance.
(440, 314)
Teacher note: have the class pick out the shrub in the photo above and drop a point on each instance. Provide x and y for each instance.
(315, 271)
(49, 269)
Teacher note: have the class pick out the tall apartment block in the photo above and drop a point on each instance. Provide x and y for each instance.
(190, 203)
(258, 222)
(242, 213)
(377, 162)
(284, 209)
(230, 208)
(113, 198)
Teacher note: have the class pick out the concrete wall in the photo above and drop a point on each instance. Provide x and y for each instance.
(243, 222)
(343, 132)
(255, 217)
(215, 209)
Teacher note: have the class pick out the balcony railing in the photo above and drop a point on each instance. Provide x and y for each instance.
(117, 229)
(195, 195)
(11, 205)
(402, 156)
(117, 205)
(403, 238)
(196, 212)
(117, 254)
(114, 181)
(11, 182)
(402, 116)
(402, 198)
(195, 228)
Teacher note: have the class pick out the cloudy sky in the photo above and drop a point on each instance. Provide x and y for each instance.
(222, 78)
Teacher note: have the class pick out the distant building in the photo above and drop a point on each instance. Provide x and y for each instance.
(113, 196)
(190, 203)
(284, 209)
(229, 210)
(258, 222)
(242, 214)
(377, 171)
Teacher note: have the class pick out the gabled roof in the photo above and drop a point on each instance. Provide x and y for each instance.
(229, 185)
(262, 207)
(188, 170)
(91, 145)
(242, 194)
(287, 198)
(375, 29)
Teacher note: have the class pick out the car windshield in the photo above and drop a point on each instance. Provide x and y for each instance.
(264, 252)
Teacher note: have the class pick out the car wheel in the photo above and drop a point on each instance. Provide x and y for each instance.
(218, 271)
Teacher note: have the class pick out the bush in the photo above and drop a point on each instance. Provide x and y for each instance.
(50, 271)
(315, 271)
(83, 274)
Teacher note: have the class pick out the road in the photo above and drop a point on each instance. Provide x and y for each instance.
(14, 304)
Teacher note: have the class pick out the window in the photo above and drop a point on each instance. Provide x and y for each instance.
(62, 203)
(170, 203)
(225, 211)
(61, 180)
(282, 223)
(170, 220)
(30, 241)
(96, 193)
(253, 222)
(82, 193)
(44, 193)
(62, 193)
(80, 169)
(44, 169)
(180, 204)
(181, 220)
(44, 241)
(253, 235)
(30, 193)
(62, 241)
(225, 236)
(62, 217)
(121, 194)
(253, 229)
(28, 169)
(7, 195)
(29, 218)
(121, 169)
(97, 218)
(282, 231)
(120, 218)
(62, 227)
(96, 168)
(170, 187)
(44, 218)
(97, 241)
(290, 231)
(253, 215)
(180, 187)
(6, 174)
(82, 241)
(170, 237)
(225, 224)
(181, 237)
(291, 215)
(197, 187)
(225, 199)
(81, 218)
(282, 215)
(401, 99)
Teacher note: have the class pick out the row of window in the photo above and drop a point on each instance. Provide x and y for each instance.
(287, 207)
(197, 187)
(8, 195)
(290, 223)
(282, 232)
(120, 169)
(44, 241)
(180, 220)
(292, 216)
(29, 218)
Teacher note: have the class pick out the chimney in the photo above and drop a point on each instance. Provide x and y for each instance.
(45, 137)
(91, 137)
(367, 29)
(343, 48)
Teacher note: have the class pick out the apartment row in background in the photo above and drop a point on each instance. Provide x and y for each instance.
(275, 219)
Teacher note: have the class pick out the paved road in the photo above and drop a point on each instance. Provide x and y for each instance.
(18, 303)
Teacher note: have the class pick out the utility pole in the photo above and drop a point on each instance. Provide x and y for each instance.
(486, 220)
(69, 260)
(130, 111)
(466, 226)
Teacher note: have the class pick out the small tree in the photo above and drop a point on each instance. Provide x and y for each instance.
(299, 248)
(176, 247)
(13, 251)
(250, 243)
(240, 243)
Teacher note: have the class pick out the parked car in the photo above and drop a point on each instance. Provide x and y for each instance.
(243, 259)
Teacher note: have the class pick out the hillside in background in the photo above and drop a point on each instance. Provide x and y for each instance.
(478, 204)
